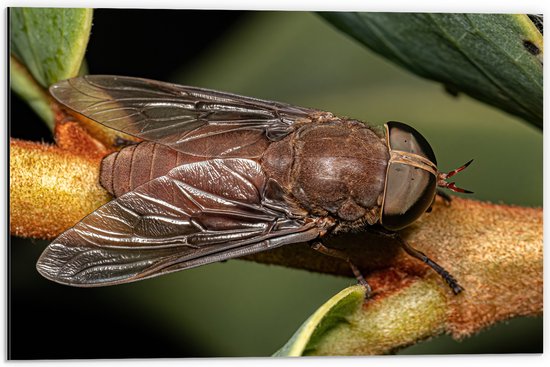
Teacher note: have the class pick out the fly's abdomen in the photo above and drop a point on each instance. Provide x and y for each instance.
(134, 165)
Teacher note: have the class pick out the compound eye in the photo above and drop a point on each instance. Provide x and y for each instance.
(409, 193)
(405, 138)
(410, 189)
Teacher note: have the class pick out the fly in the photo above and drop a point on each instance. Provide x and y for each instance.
(219, 176)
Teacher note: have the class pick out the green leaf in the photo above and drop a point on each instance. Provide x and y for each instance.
(50, 42)
(47, 45)
(496, 58)
(346, 325)
(22, 83)
(330, 315)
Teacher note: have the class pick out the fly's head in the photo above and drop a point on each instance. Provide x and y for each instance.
(412, 177)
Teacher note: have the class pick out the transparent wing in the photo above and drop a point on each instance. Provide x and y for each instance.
(178, 221)
(181, 117)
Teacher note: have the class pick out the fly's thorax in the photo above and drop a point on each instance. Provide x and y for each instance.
(336, 168)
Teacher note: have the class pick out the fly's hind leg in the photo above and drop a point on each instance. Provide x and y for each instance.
(121, 142)
(318, 246)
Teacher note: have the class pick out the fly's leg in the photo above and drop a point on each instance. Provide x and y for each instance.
(443, 195)
(121, 142)
(449, 279)
(318, 246)
(446, 197)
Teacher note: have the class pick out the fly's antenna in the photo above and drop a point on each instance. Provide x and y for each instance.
(442, 177)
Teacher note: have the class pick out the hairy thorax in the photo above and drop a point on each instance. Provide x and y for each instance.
(335, 168)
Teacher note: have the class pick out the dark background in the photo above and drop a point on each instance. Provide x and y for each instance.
(254, 304)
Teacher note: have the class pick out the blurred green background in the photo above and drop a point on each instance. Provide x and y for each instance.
(241, 308)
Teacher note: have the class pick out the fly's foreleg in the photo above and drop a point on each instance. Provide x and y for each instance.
(449, 279)
(446, 197)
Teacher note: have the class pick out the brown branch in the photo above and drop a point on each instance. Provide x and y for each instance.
(495, 252)
(51, 189)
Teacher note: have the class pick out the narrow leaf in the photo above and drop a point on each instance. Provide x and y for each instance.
(22, 83)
